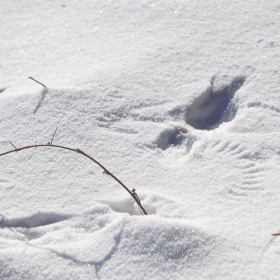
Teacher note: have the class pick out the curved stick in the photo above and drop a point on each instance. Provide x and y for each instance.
(105, 170)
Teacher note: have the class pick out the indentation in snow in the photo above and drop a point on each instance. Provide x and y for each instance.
(173, 135)
(123, 205)
(165, 207)
(153, 203)
(214, 105)
(35, 220)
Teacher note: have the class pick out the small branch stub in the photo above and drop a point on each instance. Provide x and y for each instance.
(37, 82)
(53, 136)
(138, 202)
(13, 146)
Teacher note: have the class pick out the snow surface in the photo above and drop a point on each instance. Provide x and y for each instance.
(179, 100)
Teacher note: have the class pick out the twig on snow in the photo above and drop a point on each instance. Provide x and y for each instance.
(50, 143)
(105, 170)
(37, 82)
(13, 146)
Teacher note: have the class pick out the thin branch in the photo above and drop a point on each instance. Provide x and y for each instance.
(53, 136)
(137, 199)
(37, 81)
(105, 170)
(13, 145)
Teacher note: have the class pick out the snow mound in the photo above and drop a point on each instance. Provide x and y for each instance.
(102, 240)
(153, 203)
(159, 245)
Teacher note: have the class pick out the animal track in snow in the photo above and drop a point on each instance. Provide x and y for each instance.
(171, 136)
(225, 147)
(137, 112)
(214, 105)
(251, 182)
(250, 172)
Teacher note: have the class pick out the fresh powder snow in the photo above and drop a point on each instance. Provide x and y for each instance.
(180, 100)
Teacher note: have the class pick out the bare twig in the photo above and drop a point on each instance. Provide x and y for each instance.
(13, 145)
(53, 136)
(136, 198)
(37, 81)
(132, 193)
(276, 234)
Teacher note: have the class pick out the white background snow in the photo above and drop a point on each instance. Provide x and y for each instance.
(179, 100)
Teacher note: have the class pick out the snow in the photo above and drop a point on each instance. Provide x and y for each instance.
(179, 100)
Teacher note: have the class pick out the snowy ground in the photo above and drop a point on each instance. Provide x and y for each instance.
(178, 99)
